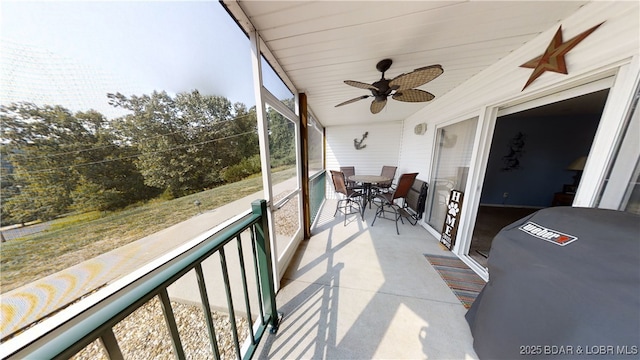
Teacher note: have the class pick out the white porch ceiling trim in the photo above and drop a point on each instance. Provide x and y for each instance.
(315, 45)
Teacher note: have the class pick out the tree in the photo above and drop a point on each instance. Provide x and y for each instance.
(56, 156)
(8, 187)
(108, 178)
(281, 139)
(185, 141)
(33, 134)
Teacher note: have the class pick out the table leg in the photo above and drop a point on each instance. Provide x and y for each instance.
(367, 196)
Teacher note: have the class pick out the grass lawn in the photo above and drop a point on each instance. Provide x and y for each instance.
(74, 239)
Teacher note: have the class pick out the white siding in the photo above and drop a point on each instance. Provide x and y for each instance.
(382, 148)
(612, 44)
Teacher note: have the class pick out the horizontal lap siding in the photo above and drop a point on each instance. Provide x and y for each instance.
(614, 42)
(382, 148)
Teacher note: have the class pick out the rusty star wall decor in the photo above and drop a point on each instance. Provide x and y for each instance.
(553, 57)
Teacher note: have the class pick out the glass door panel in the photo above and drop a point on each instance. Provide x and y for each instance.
(450, 168)
(284, 178)
(621, 188)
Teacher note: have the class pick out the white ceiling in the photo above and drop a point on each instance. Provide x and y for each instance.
(319, 44)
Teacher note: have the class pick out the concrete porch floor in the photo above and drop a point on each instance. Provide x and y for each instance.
(363, 292)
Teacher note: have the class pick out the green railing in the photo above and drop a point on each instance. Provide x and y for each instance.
(317, 190)
(94, 317)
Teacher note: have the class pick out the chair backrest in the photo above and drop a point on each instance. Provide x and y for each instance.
(389, 171)
(348, 171)
(417, 196)
(404, 184)
(338, 182)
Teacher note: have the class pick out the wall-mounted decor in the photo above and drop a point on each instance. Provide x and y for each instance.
(553, 57)
(358, 143)
(420, 129)
(516, 149)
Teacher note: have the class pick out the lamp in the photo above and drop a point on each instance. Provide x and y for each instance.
(577, 165)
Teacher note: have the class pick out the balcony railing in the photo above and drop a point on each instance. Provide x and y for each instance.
(317, 192)
(70, 330)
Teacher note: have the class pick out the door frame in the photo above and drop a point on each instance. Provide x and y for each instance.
(621, 81)
(265, 98)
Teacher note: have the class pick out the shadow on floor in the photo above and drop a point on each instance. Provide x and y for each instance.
(362, 292)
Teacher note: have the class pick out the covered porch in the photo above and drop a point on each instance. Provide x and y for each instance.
(363, 292)
(350, 291)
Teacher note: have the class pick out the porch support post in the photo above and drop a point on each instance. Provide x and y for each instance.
(304, 160)
(265, 266)
(261, 115)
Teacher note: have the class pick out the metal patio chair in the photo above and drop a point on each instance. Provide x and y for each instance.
(414, 203)
(389, 172)
(348, 171)
(352, 200)
(387, 201)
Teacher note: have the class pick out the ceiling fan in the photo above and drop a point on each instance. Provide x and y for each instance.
(400, 88)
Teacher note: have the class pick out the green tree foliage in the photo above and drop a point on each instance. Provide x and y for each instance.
(59, 159)
(54, 161)
(8, 187)
(281, 139)
(186, 141)
(245, 168)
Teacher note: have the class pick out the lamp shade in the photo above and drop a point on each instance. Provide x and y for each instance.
(578, 164)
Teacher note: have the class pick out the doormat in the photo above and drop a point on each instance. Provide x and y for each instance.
(464, 282)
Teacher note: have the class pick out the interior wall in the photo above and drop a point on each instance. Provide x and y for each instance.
(380, 147)
(548, 146)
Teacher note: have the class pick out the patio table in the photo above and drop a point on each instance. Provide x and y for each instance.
(367, 181)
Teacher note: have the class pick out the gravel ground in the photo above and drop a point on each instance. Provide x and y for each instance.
(144, 335)
(286, 217)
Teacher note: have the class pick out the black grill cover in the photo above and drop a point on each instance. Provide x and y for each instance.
(544, 300)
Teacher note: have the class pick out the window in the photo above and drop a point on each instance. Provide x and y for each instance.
(120, 119)
(316, 145)
(275, 85)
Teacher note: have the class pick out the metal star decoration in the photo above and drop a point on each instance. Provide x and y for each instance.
(553, 57)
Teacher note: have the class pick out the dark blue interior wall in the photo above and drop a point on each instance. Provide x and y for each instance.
(548, 145)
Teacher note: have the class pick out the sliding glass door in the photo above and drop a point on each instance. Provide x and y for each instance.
(450, 168)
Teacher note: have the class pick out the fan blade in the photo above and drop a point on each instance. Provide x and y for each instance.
(416, 78)
(377, 105)
(353, 100)
(360, 85)
(413, 95)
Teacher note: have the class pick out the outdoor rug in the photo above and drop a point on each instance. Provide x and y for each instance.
(464, 282)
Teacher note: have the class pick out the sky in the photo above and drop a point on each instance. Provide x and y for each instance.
(73, 52)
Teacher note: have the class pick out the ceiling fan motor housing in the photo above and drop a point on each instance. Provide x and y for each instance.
(383, 89)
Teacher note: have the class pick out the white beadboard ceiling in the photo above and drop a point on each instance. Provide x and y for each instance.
(319, 44)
